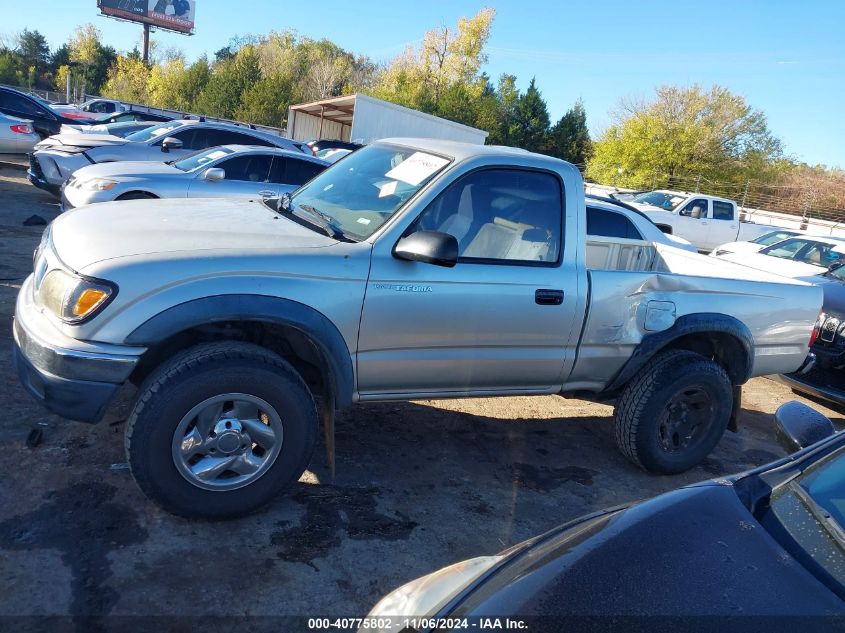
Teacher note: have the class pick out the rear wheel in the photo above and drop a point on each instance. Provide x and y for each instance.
(220, 429)
(673, 412)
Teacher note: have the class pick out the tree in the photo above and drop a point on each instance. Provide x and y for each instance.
(569, 138)
(530, 120)
(93, 59)
(266, 102)
(684, 132)
(446, 58)
(222, 94)
(127, 80)
(33, 50)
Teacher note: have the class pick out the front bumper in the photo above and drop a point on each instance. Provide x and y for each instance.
(36, 176)
(74, 379)
(49, 169)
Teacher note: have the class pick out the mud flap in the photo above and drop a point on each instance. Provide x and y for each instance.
(328, 415)
(737, 405)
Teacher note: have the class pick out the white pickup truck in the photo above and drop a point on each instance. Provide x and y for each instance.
(706, 221)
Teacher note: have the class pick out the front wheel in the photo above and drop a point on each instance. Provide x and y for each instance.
(219, 430)
(673, 412)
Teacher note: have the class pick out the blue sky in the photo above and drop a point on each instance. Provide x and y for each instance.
(786, 58)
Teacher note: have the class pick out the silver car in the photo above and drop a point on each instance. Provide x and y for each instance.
(57, 157)
(121, 129)
(225, 171)
(17, 136)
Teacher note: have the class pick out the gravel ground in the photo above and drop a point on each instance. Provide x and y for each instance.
(418, 486)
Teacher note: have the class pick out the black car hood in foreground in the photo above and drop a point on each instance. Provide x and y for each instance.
(834, 296)
(692, 552)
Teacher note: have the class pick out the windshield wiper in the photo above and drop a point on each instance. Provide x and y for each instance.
(324, 221)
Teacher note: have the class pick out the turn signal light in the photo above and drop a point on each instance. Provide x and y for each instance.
(88, 300)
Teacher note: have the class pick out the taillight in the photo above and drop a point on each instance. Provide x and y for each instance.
(817, 328)
(22, 128)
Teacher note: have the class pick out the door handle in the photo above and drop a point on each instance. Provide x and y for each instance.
(548, 297)
(266, 193)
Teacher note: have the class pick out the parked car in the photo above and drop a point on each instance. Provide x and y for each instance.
(619, 237)
(90, 109)
(17, 136)
(825, 377)
(802, 257)
(226, 171)
(122, 129)
(768, 542)
(755, 245)
(57, 157)
(325, 143)
(706, 221)
(436, 269)
(44, 119)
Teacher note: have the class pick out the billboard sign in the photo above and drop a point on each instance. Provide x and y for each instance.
(174, 15)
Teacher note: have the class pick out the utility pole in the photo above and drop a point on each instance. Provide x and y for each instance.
(146, 43)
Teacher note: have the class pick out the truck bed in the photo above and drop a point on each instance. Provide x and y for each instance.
(660, 283)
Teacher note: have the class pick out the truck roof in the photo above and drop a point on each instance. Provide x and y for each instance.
(460, 150)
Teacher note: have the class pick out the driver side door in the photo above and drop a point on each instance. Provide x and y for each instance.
(500, 320)
(695, 229)
(245, 176)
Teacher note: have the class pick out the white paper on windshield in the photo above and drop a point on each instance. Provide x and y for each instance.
(416, 168)
(212, 156)
(387, 189)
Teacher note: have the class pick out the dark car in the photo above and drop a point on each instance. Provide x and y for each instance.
(768, 542)
(44, 119)
(326, 143)
(825, 378)
(131, 115)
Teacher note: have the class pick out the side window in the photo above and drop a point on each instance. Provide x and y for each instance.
(723, 210)
(503, 215)
(290, 171)
(249, 168)
(19, 104)
(603, 223)
(230, 137)
(701, 203)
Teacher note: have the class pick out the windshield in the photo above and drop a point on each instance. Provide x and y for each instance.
(773, 238)
(200, 158)
(826, 486)
(822, 254)
(359, 194)
(154, 131)
(667, 201)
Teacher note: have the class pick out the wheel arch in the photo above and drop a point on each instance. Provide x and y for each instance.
(298, 333)
(725, 339)
(147, 194)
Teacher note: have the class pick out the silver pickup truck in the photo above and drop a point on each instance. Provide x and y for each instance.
(411, 269)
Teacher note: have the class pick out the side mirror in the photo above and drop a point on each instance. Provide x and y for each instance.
(213, 174)
(798, 426)
(696, 213)
(430, 247)
(170, 143)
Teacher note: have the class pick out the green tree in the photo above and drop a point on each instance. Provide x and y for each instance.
(569, 138)
(222, 94)
(684, 132)
(530, 120)
(93, 59)
(33, 50)
(127, 80)
(266, 102)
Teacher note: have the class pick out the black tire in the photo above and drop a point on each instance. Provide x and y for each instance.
(136, 195)
(193, 376)
(660, 393)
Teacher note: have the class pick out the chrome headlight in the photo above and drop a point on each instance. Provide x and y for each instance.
(96, 184)
(71, 298)
(421, 596)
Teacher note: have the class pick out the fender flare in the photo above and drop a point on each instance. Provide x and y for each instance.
(262, 308)
(699, 323)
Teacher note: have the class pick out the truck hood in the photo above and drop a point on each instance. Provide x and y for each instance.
(648, 208)
(113, 230)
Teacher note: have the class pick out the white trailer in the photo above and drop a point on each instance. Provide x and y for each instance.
(361, 119)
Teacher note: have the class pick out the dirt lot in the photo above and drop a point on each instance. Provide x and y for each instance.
(418, 486)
